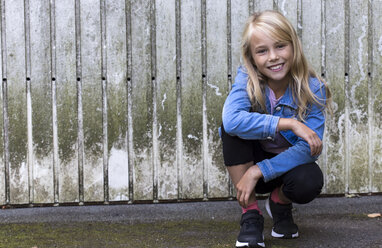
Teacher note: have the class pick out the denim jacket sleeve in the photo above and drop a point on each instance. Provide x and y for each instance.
(237, 118)
(299, 152)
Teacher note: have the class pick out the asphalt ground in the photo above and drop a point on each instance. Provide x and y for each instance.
(325, 222)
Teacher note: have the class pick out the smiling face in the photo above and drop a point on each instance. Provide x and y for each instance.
(272, 58)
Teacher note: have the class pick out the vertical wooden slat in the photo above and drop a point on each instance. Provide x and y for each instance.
(17, 107)
(324, 158)
(311, 33)
(92, 100)
(129, 133)
(30, 157)
(370, 94)
(358, 99)
(261, 5)
(141, 111)
(41, 101)
(67, 120)
(251, 6)
(229, 44)
(299, 19)
(3, 164)
(56, 165)
(117, 100)
(289, 8)
(179, 140)
(80, 120)
(191, 100)
(166, 98)
(216, 92)
(346, 95)
(239, 15)
(335, 124)
(376, 98)
(206, 163)
(153, 63)
(105, 143)
(229, 72)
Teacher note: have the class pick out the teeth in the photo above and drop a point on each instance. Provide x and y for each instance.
(275, 67)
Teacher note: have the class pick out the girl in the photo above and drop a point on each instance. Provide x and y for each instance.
(273, 124)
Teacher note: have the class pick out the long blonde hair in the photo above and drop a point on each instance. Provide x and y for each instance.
(278, 27)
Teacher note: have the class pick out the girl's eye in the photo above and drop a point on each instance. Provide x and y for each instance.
(281, 46)
(262, 51)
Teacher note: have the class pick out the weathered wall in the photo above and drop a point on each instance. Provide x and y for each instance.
(121, 100)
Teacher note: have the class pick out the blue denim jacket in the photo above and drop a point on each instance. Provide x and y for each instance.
(239, 121)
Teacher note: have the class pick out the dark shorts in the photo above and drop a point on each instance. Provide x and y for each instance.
(301, 184)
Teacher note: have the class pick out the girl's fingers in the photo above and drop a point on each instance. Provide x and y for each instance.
(316, 148)
(312, 147)
(239, 197)
(315, 144)
(242, 198)
(242, 201)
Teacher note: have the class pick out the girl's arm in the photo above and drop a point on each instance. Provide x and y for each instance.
(308, 145)
(237, 118)
(304, 132)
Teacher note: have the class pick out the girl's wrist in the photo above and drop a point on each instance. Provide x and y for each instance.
(256, 172)
(285, 124)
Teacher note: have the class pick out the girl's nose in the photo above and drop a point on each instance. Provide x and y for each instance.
(273, 55)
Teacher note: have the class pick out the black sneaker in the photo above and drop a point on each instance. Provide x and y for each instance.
(283, 224)
(251, 230)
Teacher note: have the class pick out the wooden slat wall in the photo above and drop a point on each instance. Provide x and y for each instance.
(375, 89)
(335, 139)
(105, 101)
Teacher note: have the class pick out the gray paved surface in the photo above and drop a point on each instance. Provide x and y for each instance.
(325, 222)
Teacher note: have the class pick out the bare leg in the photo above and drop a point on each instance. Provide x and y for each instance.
(236, 172)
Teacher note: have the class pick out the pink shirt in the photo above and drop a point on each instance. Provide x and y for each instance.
(279, 143)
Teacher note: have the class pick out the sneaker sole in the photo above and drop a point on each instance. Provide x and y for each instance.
(246, 244)
(282, 236)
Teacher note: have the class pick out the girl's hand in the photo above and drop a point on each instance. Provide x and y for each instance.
(247, 184)
(304, 132)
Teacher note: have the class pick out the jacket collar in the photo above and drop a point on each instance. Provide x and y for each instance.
(286, 99)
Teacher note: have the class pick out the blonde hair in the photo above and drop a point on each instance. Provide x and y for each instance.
(275, 25)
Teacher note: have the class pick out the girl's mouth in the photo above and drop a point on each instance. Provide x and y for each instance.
(276, 68)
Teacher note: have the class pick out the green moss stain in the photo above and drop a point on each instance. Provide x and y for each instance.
(142, 115)
(92, 117)
(42, 120)
(67, 120)
(67, 139)
(17, 114)
(192, 120)
(69, 188)
(117, 116)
